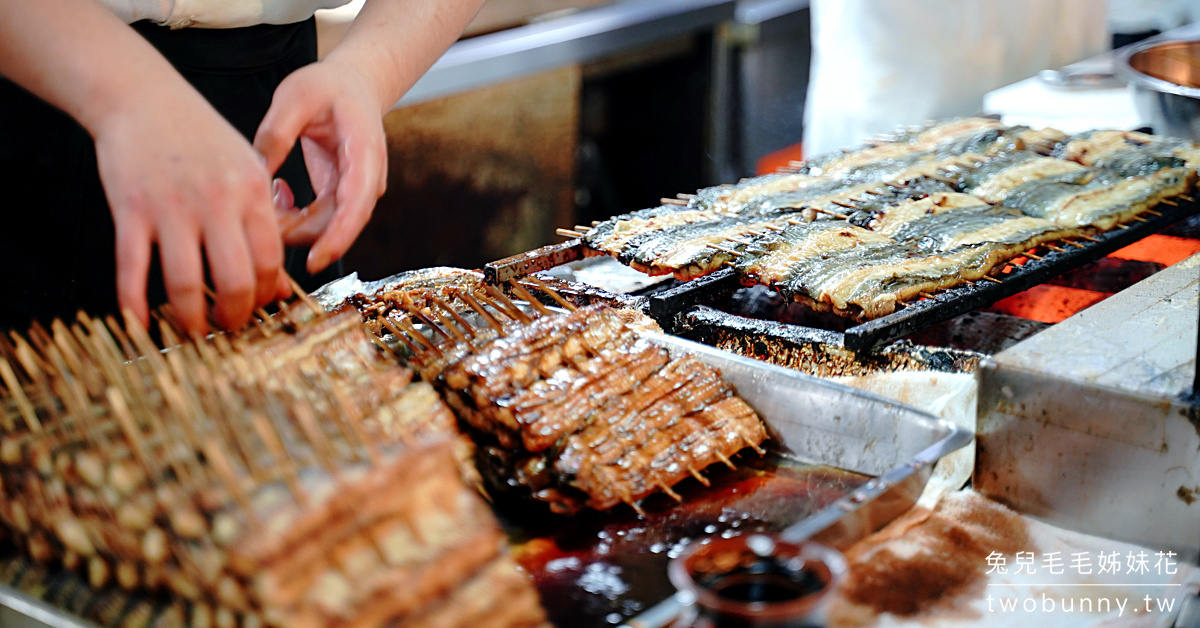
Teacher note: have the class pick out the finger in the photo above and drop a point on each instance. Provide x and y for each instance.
(383, 174)
(183, 274)
(133, 267)
(281, 127)
(266, 253)
(281, 194)
(321, 164)
(356, 196)
(283, 287)
(303, 227)
(233, 272)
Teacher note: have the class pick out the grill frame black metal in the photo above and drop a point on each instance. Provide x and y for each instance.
(952, 302)
(668, 306)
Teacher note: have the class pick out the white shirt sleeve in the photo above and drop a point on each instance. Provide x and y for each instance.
(218, 13)
(136, 10)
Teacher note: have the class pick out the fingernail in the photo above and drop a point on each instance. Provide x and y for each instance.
(282, 194)
(316, 262)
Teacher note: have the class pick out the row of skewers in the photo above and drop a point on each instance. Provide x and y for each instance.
(296, 474)
(861, 232)
(290, 475)
(567, 406)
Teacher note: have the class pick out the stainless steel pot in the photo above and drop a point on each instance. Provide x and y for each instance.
(1165, 80)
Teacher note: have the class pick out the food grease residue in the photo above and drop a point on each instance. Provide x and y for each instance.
(600, 569)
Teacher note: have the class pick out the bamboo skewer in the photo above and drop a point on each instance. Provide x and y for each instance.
(991, 279)
(481, 311)
(724, 250)
(403, 330)
(567, 233)
(525, 295)
(414, 310)
(752, 445)
(830, 213)
(458, 319)
(487, 300)
(509, 308)
(673, 201)
(455, 332)
(15, 390)
(303, 295)
(570, 307)
(403, 337)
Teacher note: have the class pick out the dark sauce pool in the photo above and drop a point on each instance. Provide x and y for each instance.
(600, 569)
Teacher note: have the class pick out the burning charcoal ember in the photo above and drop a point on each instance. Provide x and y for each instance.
(291, 475)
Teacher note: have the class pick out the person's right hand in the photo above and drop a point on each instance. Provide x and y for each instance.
(177, 174)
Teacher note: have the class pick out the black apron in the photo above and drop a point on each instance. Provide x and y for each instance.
(57, 239)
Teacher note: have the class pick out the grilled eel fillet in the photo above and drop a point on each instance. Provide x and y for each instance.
(274, 478)
(1095, 181)
(969, 138)
(918, 246)
(684, 247)
(923, 245)
(994, 180)
(581, 412)
(1103, 201)
(1136, 151)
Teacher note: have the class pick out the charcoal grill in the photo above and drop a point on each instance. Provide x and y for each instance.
(672, 307)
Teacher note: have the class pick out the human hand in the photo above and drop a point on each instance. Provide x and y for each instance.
(177, 174)
(334, 111)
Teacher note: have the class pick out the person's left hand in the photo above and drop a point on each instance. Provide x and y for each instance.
(334, 111)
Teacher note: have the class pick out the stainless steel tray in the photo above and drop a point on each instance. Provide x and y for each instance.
(825, 423)
(810, 419)
(18, 610)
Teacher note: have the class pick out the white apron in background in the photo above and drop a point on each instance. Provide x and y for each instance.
(878, 64)
(218, 13)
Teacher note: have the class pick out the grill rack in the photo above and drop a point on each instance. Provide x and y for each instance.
(669, 306)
